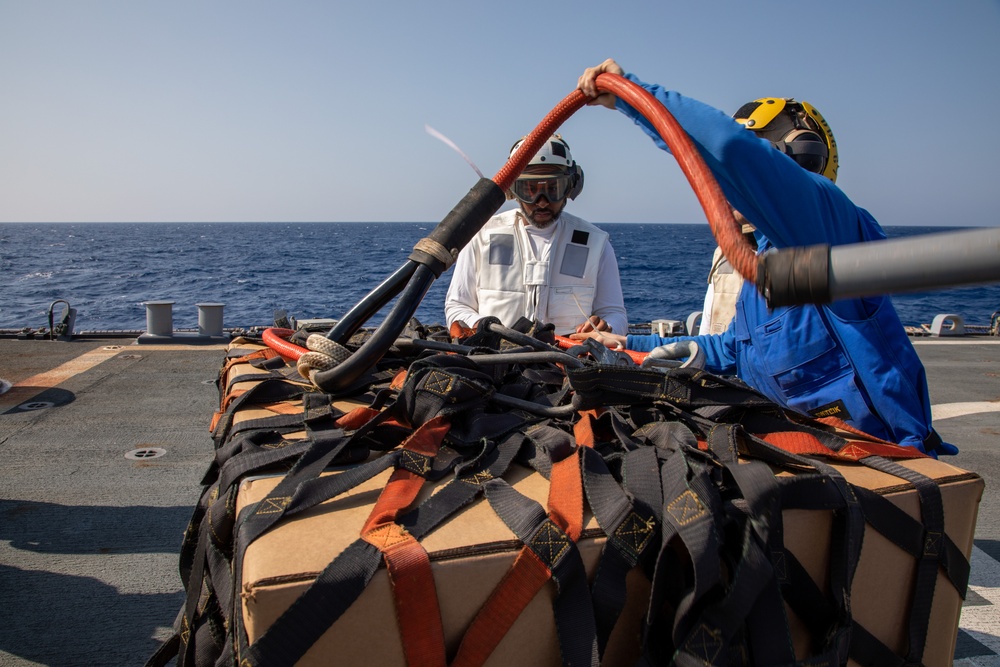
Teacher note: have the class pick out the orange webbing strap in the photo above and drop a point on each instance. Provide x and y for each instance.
(798, 442)
(529, 574)
(263, 353)
(458, 332)
(407, 562)
(357, 418)
(841, 425)
(398, 380)
(518, 587)
(283, 408)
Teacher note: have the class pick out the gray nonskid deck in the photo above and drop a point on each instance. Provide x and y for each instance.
(89, 538)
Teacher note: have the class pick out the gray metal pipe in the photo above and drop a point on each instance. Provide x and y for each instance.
(915, 264)
(821, 274)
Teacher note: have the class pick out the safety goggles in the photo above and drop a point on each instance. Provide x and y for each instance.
(554, 188)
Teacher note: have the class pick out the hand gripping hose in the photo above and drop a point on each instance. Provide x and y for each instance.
(434, 254)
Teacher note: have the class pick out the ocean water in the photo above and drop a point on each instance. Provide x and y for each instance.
(319, 270)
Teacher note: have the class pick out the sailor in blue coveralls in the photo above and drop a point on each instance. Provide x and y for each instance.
(850, 359)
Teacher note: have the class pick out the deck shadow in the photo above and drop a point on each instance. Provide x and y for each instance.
(59, 619)
(77, 529)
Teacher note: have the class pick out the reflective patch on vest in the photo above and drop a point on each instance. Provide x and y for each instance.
(836, 409)
(580, 237)
(502, 249)
(574, 260)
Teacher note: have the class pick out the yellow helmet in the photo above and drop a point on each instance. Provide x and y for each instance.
(796, 129)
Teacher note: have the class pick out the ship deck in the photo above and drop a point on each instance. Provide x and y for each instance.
(104, 444)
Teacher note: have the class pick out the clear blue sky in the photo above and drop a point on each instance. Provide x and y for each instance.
(315, 110)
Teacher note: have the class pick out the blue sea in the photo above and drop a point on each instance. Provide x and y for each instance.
(319, 270)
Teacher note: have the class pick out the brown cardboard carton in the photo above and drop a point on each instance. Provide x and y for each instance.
(882, 588)
(471, 553)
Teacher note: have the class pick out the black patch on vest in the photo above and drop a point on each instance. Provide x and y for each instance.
(580, 236)
(836, 409)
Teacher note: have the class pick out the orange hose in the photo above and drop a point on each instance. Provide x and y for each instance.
(277, 340)
(720, 214)
(724, 227)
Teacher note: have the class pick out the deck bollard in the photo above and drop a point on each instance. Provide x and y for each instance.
(210, 319)
(694, 324)
(665, 328)
(159, 318)
(948, 324)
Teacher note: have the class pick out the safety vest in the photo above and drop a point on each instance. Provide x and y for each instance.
(556, 287)
(726, 284)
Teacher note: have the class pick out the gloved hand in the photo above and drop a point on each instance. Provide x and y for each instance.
(669, 356)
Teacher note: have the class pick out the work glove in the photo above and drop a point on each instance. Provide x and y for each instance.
(671, 354)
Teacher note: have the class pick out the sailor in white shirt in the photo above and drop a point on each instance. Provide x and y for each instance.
(537, 261)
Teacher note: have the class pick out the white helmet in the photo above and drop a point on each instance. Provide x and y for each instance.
(556, 152)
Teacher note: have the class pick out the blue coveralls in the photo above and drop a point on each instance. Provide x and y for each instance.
(850, 359)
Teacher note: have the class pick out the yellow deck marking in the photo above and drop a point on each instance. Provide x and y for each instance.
(949, 410)
(25, 389)
(52, 378)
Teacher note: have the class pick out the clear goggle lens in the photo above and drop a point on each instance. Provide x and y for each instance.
(530, 190)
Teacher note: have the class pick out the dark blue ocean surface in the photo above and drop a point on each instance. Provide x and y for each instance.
(320, 270)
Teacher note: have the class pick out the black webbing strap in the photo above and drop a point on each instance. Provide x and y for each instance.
(909, 535)
(631, 529)
(867, 649)
(544, 445)
(687, 388)
(751, 608)
(491, 463)
(288, 497)
(932, 512)
(166, 652)
(272, 365)
(269, 390)
(763, 550)
(690, 510)
(280, 423)
(847, 535)
(571, 606)
(258, 458)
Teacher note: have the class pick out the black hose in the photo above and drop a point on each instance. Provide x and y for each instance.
(345, 376)
(429, 259)
(355, 318)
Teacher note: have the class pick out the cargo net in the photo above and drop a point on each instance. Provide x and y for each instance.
(681, 482)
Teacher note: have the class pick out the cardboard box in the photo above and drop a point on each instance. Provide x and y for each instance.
(471, 553)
